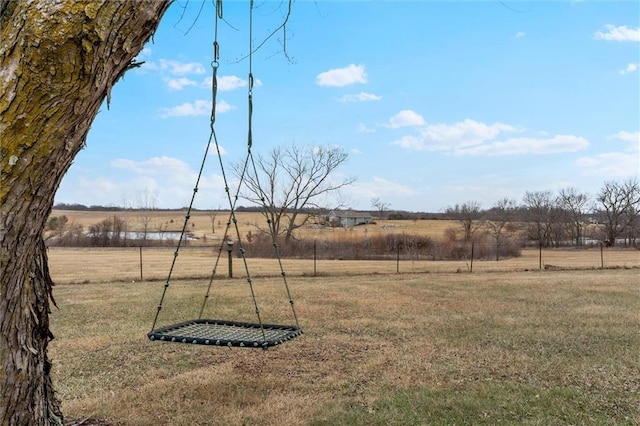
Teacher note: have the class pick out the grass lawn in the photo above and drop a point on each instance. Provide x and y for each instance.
(539, 348)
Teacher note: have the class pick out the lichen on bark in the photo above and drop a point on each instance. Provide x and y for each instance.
(58, 62)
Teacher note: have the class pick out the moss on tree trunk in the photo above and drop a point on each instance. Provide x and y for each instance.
(58, 61)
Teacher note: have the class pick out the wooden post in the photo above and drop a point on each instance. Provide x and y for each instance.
(540, 255)
(473, 242)
(140, 263)
(230, 250)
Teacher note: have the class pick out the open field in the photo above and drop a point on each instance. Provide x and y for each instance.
(83, 265)
(537, 347)
(202, 224)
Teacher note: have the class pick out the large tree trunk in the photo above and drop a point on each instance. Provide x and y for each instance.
(58, 61)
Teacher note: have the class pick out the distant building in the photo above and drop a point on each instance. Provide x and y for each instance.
(348, 218)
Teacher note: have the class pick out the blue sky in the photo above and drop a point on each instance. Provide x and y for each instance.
(436, 103)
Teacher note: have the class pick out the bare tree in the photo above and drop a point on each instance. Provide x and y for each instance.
(380, 206)
(499, 216)
(57, 225)
(110, 232)
(146, 204)
(558, 223)
(468, 215)
(539, 206)
(59, 61)
(212, 216)
(574, 204)
(633, 212)
(621, 204)
(290, 182)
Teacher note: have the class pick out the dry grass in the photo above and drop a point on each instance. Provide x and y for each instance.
(496, 347)
(200, 224)
(85, 265)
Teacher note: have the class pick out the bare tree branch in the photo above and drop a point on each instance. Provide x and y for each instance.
(290, 181)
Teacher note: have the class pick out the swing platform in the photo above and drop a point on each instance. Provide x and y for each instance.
(226, 333)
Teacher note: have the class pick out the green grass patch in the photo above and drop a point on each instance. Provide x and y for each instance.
(487, 404)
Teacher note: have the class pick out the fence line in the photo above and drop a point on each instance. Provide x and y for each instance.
(84, 265)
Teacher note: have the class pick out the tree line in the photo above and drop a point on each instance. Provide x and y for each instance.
(568, 217)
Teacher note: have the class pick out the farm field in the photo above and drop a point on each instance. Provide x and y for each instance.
(202, 224)
(536, 347)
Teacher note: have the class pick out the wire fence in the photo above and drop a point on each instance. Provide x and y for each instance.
(88, 265)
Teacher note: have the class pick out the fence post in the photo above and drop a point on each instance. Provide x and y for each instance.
(540, 255)
(473, 242)
(397, 258)
(601, 255)
(314, 257)
(230, 250)
(140, 263)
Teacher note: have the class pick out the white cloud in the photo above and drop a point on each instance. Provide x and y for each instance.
(362, 128)
(410, 142)
(461, 134)
(222, 107)
(615, 164)
(632, 138)
(152, 166)
(180, 68)
(194, 109)
(610, 165)
(360, 97)
(167, 68)
(229, 82)
(144, 53)
(470, 137)
(520, 34)
(406, 118)
(97, 191)
(170, 179)
(340, 77)
(381, 187)
(518, 146)
(199, 107)
(632, 67)
(179, 83)
(99, 185)
(168, 171)
(621, 33)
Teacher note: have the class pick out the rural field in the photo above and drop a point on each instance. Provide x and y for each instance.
(209, 227)
(510, 347)
(93, 265)
(550, 337)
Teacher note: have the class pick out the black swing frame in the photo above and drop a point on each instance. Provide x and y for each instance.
(226, 333)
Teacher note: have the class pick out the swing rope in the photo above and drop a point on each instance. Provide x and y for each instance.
(231, 199)
(212, 135)
(220, 332)
(255, 170)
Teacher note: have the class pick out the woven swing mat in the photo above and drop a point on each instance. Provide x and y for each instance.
(226, 333)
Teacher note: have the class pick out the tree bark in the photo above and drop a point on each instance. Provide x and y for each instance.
(58, 61)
